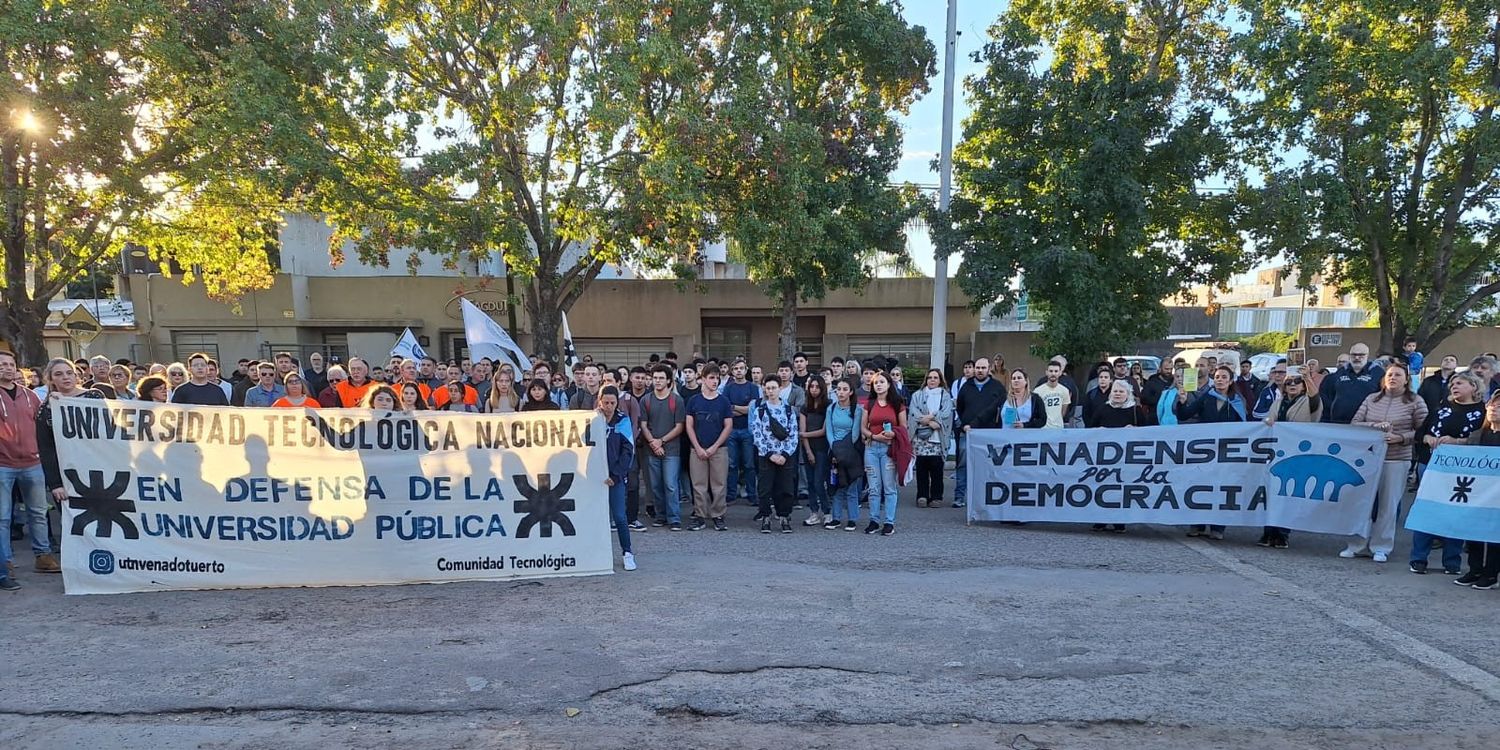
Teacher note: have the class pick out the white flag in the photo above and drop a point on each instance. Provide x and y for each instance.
(487, 339)
(407, 347)
(569, 352)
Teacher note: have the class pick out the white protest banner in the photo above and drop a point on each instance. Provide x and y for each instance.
(1459, 497)
(164, 496)
(1312, 477)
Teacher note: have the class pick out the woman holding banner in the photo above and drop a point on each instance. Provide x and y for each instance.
(1219, 403)
(1396, 411)
(1484, 557)
(538, 397)
(1022, 408)
(1296, 401)
(296, 394)
(380, 398)
(1457, 417)
(1121, 410)
(619, 449)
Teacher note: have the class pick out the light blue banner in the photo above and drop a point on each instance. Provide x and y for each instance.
(1459, 497)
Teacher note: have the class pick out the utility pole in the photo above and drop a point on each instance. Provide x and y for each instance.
(945, 188)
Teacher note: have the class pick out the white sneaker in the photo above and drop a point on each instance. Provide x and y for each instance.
(1347, 554)
(1380, 557)
(815, 519)
(629, 561)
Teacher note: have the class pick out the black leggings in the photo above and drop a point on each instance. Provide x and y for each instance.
(929, 473)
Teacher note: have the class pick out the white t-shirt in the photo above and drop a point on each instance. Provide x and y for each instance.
(1057, 400)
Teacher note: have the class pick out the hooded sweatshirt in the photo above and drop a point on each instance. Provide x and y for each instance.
(18, 414)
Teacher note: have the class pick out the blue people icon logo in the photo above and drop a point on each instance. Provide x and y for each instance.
(1316, 476)
(101, 562)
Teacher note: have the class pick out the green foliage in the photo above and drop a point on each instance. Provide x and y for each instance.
(175, 125)
(1080, 171)
(1374, 126)
(1274, 342)
(808, 142)
(568, 136)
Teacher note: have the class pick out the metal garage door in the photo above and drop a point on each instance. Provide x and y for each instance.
(628, 352)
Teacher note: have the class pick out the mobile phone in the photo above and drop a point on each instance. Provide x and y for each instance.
(887, 426)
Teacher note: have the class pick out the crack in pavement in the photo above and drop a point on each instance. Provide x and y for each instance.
(228, 711)
(738, 671)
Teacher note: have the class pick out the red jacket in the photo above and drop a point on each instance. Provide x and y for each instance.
(18, 429)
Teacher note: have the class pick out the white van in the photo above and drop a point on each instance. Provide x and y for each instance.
(1229, 357)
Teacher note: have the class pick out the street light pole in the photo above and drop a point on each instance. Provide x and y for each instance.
(945, 188)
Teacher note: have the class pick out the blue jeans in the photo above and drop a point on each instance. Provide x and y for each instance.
(617, 515)
(742, 466)
(1421, 549)
(960, 473)
(816, 474)
(846, 501)
(34, 494)
(664, 471)
(880, 473)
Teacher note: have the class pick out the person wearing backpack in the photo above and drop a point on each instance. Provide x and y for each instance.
(619, 449)
(663, 420)
(773, 425)
(845, 457)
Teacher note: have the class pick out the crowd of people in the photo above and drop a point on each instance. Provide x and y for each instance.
(686, 440)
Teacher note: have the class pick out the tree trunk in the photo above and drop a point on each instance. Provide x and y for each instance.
(21, 324)
(546, 320)
(788, 322)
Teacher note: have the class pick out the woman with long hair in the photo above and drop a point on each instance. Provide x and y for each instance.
(381, 398)
(455, 397)
(296, 394)
(1484, 557)
(1023, 408)
(503, 397)
(1397, 412)
(1295, 401)
(62, 381)
(411, 398)
(538, 397)
(619, 451)
(815, 450)
(885, 414)
(845, 455)
(1455, 418)
(1217, 403)
(931, 420)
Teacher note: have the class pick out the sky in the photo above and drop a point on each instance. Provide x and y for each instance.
(923, 126)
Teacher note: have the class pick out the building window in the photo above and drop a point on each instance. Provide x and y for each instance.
(336, 345)
(813, 348)
(726, 342)
(616, 352)
(186, 343)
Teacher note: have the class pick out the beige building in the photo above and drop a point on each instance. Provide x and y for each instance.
(616, 320)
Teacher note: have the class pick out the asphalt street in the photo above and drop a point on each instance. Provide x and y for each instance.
(942, 636)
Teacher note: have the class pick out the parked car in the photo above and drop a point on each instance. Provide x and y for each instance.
(1261, 364)
(1149, 364)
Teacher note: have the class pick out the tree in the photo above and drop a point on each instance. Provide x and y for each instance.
(809, 144)
(168, 123)
(1082, 166)
(562, 135)
(1376, 131)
